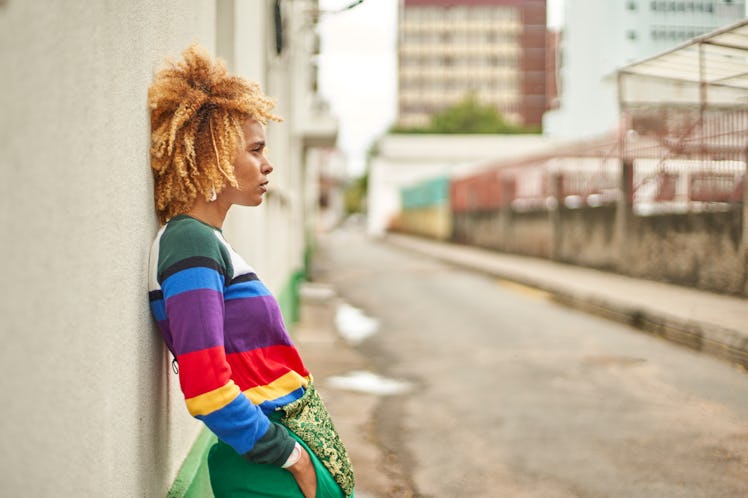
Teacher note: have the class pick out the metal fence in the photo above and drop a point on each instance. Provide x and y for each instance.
(683, 160)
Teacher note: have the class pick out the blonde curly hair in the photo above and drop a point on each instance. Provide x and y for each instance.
(197, 110)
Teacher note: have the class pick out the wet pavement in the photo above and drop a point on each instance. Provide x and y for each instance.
(326, 335)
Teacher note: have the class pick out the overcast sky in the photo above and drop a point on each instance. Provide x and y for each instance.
(358, 70)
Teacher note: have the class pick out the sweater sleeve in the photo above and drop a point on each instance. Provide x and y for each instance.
(193, 298)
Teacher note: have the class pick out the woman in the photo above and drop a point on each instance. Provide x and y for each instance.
(238, 369)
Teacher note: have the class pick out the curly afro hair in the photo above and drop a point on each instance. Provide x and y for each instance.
(197, 110)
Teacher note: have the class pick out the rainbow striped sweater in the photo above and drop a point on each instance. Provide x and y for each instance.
(236, 360)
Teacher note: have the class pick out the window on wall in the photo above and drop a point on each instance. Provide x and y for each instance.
(631, 34)
(631, 5)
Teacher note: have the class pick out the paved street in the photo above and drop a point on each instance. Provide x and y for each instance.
(516, 396)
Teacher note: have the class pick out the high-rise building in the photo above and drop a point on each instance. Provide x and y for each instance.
(600, 36)
(493, 49)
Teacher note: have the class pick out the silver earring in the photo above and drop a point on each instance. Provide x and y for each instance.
(213, 195)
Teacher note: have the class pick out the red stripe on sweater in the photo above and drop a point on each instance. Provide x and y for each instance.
(202, 371)
(262, 366)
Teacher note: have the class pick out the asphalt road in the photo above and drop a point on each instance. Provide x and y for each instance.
(516, 396)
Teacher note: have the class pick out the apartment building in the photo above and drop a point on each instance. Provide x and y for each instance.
(599, 36)
(494, 49)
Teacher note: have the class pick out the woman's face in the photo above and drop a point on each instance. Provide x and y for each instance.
(251, 167)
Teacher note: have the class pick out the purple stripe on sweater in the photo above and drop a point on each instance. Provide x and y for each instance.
(195, 320)
(163, 326)
(252, 323)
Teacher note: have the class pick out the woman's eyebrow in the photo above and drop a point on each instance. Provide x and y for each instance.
(256, 143)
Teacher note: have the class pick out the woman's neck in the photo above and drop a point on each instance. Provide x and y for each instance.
(212, 213)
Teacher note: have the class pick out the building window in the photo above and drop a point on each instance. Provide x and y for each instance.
(631, 34)
(709, 7)
(631, 5)
(653, 5)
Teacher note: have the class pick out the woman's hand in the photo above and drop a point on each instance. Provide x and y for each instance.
(306, 477)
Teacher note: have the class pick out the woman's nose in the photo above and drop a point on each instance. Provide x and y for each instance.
(267, 168)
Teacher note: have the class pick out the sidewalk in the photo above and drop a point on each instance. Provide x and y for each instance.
(327, 354)
(713, 323)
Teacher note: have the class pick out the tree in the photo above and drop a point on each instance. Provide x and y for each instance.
(468, 116)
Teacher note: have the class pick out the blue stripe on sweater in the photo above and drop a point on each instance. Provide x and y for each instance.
(158, 308)
(192, 279)
(253, 288)
(240, 424)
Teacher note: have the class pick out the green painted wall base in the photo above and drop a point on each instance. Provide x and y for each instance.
(193, 480)
(288, 299)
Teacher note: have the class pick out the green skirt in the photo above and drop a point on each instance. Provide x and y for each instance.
(231, 476)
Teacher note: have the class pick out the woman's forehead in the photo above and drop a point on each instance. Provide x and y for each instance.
(253, 130)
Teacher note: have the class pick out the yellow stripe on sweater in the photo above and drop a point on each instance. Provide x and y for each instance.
(281, 386)
(211, 401)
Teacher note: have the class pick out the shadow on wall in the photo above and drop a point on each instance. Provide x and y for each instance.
(154, 408)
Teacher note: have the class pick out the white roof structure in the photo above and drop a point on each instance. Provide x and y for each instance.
(711, 71)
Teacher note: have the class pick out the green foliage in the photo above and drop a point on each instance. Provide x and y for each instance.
(468, 116)
(354, 196)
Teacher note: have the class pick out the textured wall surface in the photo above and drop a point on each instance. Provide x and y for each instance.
(587, 237)
(89, 407)
(701, 250)
(697, 249)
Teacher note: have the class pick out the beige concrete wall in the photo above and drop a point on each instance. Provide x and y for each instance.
(271, 237)
(89, 409)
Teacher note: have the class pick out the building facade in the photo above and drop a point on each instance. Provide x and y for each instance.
(405, 160)
(493, 49)
(599, 36)
(92, 407)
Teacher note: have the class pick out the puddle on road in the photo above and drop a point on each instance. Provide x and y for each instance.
(353, 325)
(368, 382)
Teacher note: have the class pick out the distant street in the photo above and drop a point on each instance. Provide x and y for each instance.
(516, 396)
